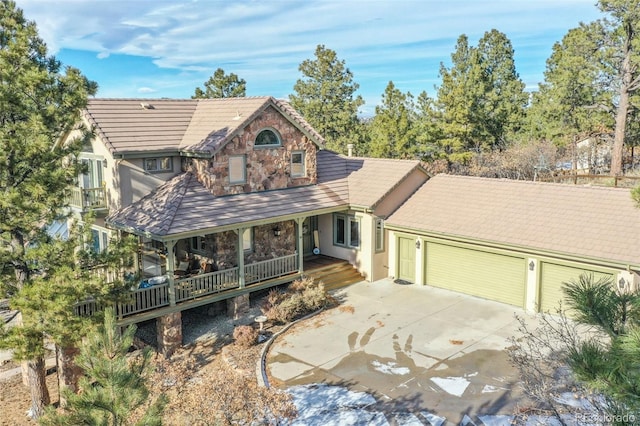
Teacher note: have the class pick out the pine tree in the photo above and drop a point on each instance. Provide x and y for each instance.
(38, 105)
(114, 384)
(221, 85)
(392, 129)
(326, 99)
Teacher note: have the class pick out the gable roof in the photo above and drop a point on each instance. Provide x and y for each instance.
(192, 126)
(184, 205)
(591, 222)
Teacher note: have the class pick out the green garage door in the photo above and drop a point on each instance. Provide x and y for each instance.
(479, 273)
(551, 278)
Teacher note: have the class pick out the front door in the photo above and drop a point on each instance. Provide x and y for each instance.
(406, 259)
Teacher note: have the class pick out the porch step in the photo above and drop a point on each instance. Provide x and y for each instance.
(336, 276)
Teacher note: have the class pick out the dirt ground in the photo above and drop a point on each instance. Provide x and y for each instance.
(208, 349)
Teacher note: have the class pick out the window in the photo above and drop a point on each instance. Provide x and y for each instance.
(297, 164)
(379, 235)
(99, 240)
(346, 231)
(198, 244)
(266, 138)
(158, 165)
(237, 169)
(93, 178)
(247, 239)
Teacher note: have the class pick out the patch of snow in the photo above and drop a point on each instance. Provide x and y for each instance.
(333, 405)
(452, 385)
(433, 419)
(496, 420)
(406, 419)
(466, 421)
(390, 368)
(492, 389)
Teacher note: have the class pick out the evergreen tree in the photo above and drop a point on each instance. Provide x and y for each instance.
(325, 97)
(392, 128)
(114, 384)
(505, 100)
(624, 46)
(221, 85)
(38, 104)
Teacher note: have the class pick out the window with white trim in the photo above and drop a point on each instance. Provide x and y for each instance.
(346, 230)
(237, 169)
(158, 164)
(297, 164)
(379, 235)
(267, 138)
(99, 240)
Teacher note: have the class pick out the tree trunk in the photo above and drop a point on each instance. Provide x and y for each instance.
(38, 387)
(68, 371)
(623, 104)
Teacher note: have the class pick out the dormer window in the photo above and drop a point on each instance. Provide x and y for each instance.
(267, 138)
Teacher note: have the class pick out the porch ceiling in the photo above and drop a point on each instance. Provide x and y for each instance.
(183, 206)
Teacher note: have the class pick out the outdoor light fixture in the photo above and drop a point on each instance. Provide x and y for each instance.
(276, 231)
(532, 265)
(418, 244)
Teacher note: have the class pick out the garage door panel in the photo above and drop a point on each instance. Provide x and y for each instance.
(552, 278)
(479, 273)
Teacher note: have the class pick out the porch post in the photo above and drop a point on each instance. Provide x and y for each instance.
(241, 277)
(300, 245)
(171, 266)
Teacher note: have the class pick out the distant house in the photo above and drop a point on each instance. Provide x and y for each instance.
(593, 155)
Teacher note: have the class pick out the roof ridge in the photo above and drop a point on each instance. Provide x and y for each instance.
(185, 181)
(530, 182)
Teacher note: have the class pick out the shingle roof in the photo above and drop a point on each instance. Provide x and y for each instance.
(190, 125)
(183, 204)
(594, 222)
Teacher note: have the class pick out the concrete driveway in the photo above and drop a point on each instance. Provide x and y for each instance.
(416, 349)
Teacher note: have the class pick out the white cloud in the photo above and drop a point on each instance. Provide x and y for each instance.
(146, 90)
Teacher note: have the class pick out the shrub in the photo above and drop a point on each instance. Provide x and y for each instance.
(302, 297)
(245, 336)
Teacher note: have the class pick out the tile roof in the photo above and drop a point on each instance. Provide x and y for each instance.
(183, 204)
(190, 125)
(594, 222)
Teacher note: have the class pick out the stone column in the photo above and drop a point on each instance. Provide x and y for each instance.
(236, 306)
(169, 330)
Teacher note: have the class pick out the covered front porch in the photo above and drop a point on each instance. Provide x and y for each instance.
(162, 298)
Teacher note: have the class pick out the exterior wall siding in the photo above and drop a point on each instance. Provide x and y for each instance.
(266, 168)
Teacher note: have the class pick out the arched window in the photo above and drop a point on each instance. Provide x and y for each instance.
(268, 137)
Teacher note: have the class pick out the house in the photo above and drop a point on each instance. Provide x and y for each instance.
(512, 241)
(229, 196)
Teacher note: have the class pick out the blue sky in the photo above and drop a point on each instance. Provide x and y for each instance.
(167, 48)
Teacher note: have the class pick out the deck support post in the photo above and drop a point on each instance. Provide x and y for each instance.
(169, 331)
(237, 306)
(171, 266)
(241, 272)
(300, 244)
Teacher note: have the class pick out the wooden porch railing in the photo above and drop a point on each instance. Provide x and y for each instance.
(87, 198)
(205, 284)
(272, 268)
(190, 288)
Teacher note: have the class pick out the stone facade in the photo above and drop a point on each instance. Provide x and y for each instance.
(266, 167)
(169, 331)
(222, 248)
